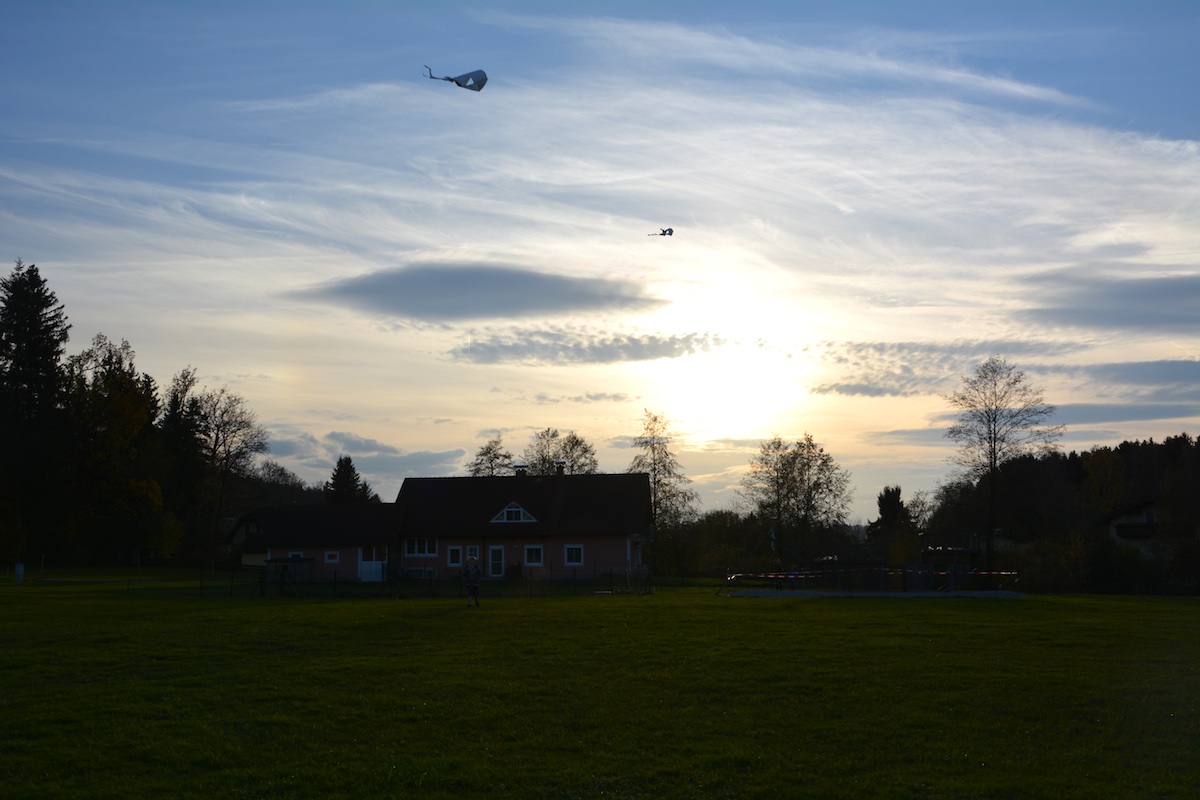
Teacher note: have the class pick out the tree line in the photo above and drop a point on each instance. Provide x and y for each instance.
(99, 461)
(1016, 502)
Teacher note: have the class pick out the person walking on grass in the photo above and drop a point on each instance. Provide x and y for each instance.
(472, 575)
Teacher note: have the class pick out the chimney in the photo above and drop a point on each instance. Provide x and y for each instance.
(560, 466)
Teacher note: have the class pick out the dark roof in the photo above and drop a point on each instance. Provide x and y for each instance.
(318, 525)
(562, 505)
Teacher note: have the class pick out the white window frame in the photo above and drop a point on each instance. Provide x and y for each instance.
(473, 552)
(454, 556)
(373, 552)
(541, 555)
(493, 551)
(333, 557)
(296, 554)
(421, 546)
(567, 562)
(513, 513)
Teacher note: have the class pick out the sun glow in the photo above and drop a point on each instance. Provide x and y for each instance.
(735, 391)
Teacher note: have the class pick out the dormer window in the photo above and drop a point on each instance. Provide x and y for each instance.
(513, 513)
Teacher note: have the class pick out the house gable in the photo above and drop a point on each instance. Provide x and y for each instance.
(513, 512)
(571, 506)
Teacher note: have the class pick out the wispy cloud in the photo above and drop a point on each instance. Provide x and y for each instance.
(643, 47)
(575, 346)
(904, 369)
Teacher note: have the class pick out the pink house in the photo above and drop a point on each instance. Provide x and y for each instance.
(554, 526)
(319, 542)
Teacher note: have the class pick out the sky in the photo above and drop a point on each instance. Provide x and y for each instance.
(868, 199)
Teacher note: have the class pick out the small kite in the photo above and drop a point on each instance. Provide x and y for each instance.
(472, 80)
(665, 232)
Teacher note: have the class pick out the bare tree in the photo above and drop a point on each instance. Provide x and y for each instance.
(798, 487)
(231, 435)
(230, 438)
(549, 447)
(491, 459)
(1000, 417)
(920, 507)
(671, 502)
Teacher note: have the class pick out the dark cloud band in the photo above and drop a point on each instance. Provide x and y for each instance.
(455, 292)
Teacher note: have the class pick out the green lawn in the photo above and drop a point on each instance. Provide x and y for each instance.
(152, 688)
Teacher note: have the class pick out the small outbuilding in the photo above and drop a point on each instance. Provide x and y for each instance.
(320, 542)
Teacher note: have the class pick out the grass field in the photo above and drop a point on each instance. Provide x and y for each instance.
(151, 688)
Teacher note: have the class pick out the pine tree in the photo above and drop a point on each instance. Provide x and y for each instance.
(33, 337)
(346, 486)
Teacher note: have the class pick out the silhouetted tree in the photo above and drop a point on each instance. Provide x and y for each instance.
(33, 337)
(672, 503)
(184, 469)
(111, 411)
(895, 527)
(894, 517)
(549, 447)
(920, 508)
(799, 488)
(1000, 417)
(491, 459)
(230, 438)
(280, 486)
(346, 486)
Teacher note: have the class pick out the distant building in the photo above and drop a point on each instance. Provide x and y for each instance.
(556, 526)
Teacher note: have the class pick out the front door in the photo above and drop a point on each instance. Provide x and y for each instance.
(371, 561)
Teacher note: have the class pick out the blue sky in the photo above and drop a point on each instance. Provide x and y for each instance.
(868, 199)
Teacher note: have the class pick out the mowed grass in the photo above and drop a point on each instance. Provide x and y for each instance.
(130, 690)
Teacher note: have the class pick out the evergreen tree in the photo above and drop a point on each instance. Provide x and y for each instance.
(182, 469)
(33, 337)
(894, 517)
(111, 411)
(894, 528)
(346, 486)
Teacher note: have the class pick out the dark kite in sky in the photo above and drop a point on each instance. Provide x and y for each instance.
(472, 80)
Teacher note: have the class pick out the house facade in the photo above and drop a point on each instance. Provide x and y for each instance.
(349, 542)
(552, 526)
